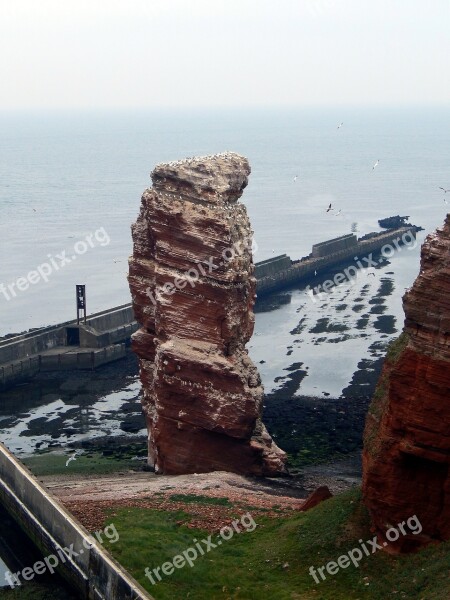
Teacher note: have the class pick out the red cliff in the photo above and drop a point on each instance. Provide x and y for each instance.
(407, 437)
(193, 291)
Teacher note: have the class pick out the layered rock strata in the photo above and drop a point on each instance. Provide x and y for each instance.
(193, 290)
(407, 437)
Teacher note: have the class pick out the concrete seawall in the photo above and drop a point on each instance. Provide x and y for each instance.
(67, 346)
(305, 268)
(93, 572)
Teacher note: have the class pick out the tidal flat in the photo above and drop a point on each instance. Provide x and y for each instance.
(319, 363)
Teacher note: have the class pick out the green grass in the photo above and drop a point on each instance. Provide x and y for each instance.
(316, 448)
(273, 560)
(396, 347)
(51, 463)
(380, 399)
(193, 499)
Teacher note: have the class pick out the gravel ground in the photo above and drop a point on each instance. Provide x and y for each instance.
(89, 497)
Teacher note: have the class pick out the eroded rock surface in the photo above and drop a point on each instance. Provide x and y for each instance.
(407, 437)
(193, 290)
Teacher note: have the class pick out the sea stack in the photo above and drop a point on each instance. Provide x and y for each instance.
(193, 290)
(407, 437)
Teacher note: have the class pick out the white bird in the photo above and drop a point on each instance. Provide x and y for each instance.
(445, 201)
(71, 458)
(315, 272)
(338, 212)
(295, 178)
(340, 125)
(444, 190)
(376, 164)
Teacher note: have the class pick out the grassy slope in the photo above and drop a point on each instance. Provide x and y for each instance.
(252, 565)
(94, 463)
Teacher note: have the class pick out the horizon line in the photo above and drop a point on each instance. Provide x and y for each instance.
(218, 107)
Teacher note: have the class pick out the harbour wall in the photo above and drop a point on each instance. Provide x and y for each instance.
(67, 346)
(335, 245)
(272, 266)
(92, 572)
(306, 268)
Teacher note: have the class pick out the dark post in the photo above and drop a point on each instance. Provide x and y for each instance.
(81, 302)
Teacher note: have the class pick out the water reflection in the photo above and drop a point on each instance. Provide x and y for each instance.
(55, 410)
(329, 335)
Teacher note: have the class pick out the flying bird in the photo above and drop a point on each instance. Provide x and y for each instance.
(340, 125)
(71, 458)
(329, 208)
(370, 274)
(295, 178)
(338, 212)
(376, 164)
(444, 190)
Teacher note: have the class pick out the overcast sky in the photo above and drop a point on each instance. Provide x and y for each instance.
(153, 53)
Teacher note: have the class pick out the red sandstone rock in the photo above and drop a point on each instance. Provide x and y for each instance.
(407, 437)
(191, 280)
(319, 495)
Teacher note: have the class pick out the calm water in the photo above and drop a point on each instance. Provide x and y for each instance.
(65, 176)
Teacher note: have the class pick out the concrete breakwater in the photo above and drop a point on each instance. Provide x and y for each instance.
(280, 272)
(67, 346)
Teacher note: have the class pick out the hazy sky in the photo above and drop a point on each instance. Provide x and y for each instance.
(152, 53)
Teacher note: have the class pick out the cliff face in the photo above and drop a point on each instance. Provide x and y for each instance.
(193, 290)
(407, 438)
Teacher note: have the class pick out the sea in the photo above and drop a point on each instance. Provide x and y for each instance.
(69, 177)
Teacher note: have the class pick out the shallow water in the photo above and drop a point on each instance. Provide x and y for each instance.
(329, 336)
(55, 412)
(301, 346)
